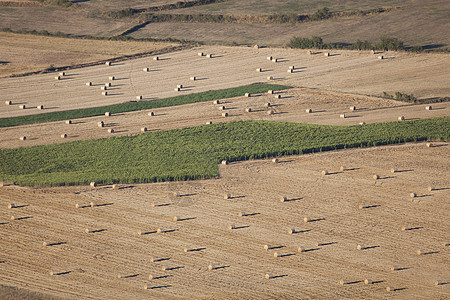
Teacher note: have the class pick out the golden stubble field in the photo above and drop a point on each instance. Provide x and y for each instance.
(87, 265)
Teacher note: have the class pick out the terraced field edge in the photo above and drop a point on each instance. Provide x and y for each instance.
(194, 153)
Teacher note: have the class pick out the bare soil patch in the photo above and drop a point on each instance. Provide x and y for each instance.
(88, 264)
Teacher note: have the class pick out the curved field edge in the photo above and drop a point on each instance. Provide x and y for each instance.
(194, 153)
(135, 106)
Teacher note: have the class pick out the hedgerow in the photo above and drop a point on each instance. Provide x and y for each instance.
(194, 153)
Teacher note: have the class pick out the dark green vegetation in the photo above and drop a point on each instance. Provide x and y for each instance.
(385, 43)
(401, 97)
(135, 106)
(194, 153)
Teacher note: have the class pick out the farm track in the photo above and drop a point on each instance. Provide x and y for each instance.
(95, 259)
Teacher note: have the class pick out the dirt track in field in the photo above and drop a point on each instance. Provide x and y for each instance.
(90, 263)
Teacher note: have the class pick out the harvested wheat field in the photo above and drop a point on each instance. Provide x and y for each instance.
(112, 260)
(343, 71)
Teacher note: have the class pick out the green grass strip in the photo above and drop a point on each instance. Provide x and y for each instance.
(135, 106)
(194, 153)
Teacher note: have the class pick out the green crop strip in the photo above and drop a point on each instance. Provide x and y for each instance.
(135, 106)
(194, 153)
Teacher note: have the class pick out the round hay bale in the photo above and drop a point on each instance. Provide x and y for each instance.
(92, 204)
(179, 86)
(431, 188)
(380, 57)
(277, 254)
(278, 96)
(393, 170)
(390, 289)
(176, 194)
(120, 275)
(107, 114)
(151, 277)
(78, 205)
(270, 92)
(208, 123)
(291, 67)
(375, 177)
(115, 186)
(2, 184)
(290, 71)
(11, 205)
(267, 247)
(231, 226)
(89, 83)
(269, 77)
(147, 286)
(438, 282)
(224, 162)
(342, 282)
(361, 206)
(404, 228)
(144, 129)
(138, 97)
(256, 46)
(308, 52)
(13, 218)
(151, 114)
(268, 276)
(275, 160)
(146, 69)
(342, 116)
(259, 70)
(326, 54)
(193, 78)
(308, 110)
(45, 244)
(360, 247)
(155, 203)
(291, 230)
(269, 57)
(248, 109)
(216, 102)
(159, 230)
(222, 107)
(395, 268)
(248, 95)
(23, 106)
(242, 214)
(275, 60)
(283, 199)
(23, 138)
(428, 107)
(225, 114)
(368, 281)
(177, 89)
(40, 107)
(306, 219)
(89, 230)
(227, 196)
(209, 56)
(270, 112)
(64, 135)
(401, 118)
(68, 122)
(100, 124)
(154, 259)
(105, 93)
(108, 63)
(103, 88)
(108, 84)
(156, 58)
(362, 123)
(9, 102)
(211, 267)
(53, 273)
(57, 77)
(200, 54)
(352, 108)
(301, 249)
(325, 172)
(187, 249)
(93, 184)
(267, 104)
(343, 168)
(112, 77)
(420, 252)
(372, 52)
(176, 219)
(413, 195)
(429, 145)
(111, 130)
